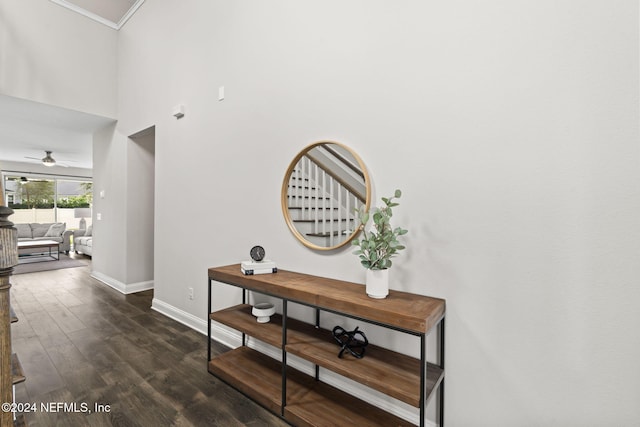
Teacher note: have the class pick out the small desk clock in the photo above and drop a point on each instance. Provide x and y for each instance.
(257, 253)
(258, 265)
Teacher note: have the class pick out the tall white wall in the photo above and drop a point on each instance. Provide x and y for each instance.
(123, 250)
(52, 55)
(109, 200)
(140, 209)
(511, 127)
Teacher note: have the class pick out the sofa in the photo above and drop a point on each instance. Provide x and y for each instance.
(83, 240)
(55, 231)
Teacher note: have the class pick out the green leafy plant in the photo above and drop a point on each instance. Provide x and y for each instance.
(377, 246)
(74, 202)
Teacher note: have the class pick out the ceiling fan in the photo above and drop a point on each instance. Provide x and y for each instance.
(48, 160)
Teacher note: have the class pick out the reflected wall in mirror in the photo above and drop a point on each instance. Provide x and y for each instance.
(324, 185)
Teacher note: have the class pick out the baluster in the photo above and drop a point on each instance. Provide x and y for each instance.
(294, 183)
(8, 259)
(298, 190)
(340, 189)
(303, 167)
(332, 224)
(349, 214)
(324, 211)
(301, 186)
(317, 199)
(309, 190)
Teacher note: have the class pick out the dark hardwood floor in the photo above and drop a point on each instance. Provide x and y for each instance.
(81, 342)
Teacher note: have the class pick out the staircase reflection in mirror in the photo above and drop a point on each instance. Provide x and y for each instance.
(324, 186)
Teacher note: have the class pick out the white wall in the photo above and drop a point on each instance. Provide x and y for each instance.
(109, 200)
(52, 55)
(511, 127)
(123, 248)
(140, 208)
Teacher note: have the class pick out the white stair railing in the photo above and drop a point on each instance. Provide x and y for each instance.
(323, 202)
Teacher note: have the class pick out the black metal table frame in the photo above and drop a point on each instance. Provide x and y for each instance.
(49, 257)
(424, 400)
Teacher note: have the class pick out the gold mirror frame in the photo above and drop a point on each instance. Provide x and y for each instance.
(340, 179)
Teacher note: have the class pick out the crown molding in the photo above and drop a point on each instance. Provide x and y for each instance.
(100, 19)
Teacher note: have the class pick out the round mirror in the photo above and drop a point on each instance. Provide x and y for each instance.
(323, 187)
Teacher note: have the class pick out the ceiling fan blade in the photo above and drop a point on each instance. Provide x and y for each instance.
(55, 162)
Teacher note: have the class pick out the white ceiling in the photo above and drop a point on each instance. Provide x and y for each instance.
(29, 128)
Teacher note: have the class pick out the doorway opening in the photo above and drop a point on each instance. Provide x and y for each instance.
(141, 207)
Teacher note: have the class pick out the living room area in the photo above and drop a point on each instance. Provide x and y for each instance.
(51, 201)
(510, 127)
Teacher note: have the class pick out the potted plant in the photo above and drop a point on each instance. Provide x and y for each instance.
(378, 246)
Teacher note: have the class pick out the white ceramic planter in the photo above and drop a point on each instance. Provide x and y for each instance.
(263, 311)
(378, 283)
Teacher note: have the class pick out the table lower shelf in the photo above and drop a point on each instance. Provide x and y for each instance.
(309, 402)
(389, 372)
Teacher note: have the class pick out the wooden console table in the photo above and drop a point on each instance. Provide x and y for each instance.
(302, 399)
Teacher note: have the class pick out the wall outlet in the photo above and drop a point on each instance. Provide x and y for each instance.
(190, 293)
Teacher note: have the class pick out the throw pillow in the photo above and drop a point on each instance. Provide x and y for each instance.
(39, 230)
(56, 230)
(89, 230)
(24, 231)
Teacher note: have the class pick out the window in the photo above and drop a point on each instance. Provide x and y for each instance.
(35, 198)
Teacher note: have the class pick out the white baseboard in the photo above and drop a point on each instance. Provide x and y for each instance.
(181, 316)
(122, 287)
(232, 338)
